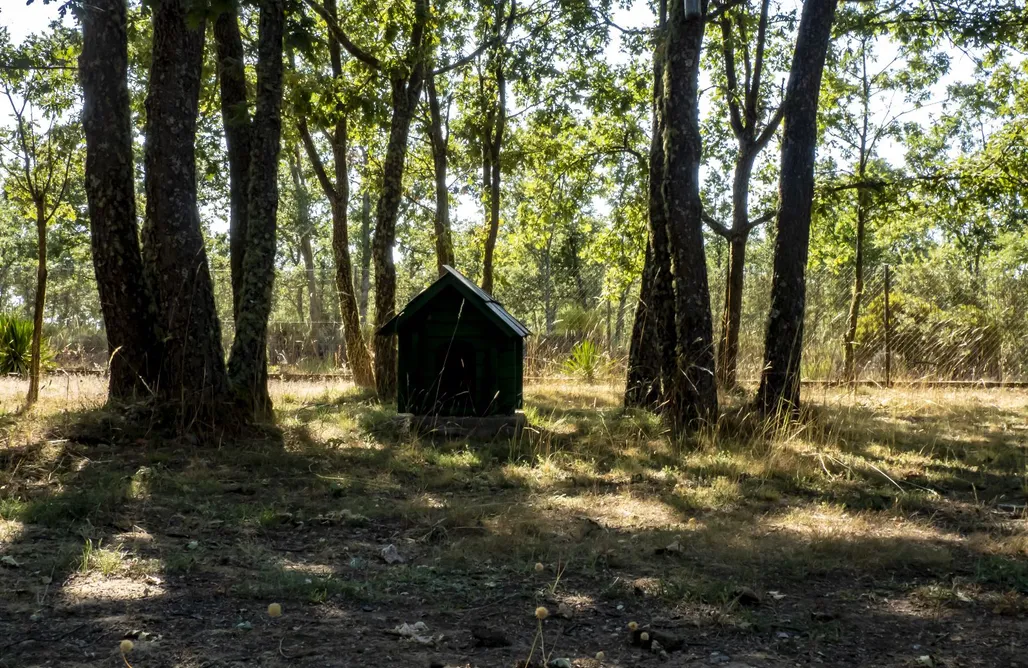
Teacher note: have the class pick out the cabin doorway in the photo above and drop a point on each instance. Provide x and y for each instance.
(457, 385)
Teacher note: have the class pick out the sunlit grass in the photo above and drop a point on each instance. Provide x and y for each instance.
(919, 482)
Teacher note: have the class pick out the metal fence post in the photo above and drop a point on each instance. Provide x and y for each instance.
(888, 338)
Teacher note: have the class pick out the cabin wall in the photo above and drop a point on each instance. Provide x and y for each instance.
(451, 332)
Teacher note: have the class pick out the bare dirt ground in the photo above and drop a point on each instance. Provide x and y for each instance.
(887, 529)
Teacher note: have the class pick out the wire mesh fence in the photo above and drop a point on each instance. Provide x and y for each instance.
(915, 323)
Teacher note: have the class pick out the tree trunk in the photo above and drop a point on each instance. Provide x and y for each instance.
(642, 388)
(693, 398)
(779, 393)
(365, 247)
(731, 316)
(440, 156)
(235, 117)
(338, 193)
(357, 354)
(549, 308)
(304, 228)
(248, 362)
(193, 375)
(850, 339)
(494, 146)
(35, 365)
(128, 310)
(619, 319)
(405, 94)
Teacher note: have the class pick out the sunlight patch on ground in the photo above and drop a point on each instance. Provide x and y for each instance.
(827, 521)
(94, 588)
(58, 392)
(10, 531)
(623, 511)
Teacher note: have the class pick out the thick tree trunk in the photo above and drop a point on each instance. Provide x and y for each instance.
(642, 388)
(779, 393)
(440, 158)
(248, 362)
(365, 248)
(693, 397)
(494, 146)
(35, 363)
(405, 94)
(235, 117)
(193, 376)
(127, 306)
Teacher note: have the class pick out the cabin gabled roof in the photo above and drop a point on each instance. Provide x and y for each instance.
(474, 295)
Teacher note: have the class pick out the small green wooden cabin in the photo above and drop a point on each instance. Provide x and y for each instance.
(460, 352)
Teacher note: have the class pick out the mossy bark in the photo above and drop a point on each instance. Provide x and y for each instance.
(405, 93)
(128, 309)
(248, 362)
(235, 116)
(193, 376)
(692, 400)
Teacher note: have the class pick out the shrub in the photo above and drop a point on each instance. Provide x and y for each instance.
(16, 346)
(586, 360)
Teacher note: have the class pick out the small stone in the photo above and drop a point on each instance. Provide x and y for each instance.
(488, 637)
(746, 596)
(391, 555)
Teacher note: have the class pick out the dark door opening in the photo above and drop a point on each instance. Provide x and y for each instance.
(457, 385)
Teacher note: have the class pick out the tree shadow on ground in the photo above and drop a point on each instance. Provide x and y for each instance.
(190, 544)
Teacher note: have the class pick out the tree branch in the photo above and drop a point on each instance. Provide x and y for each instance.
(720, 229)
(732, 87)
(348, 44)
(316, 163)
(757, 222)
(753, 93)
(497, 39)
(719, 9)
(772, 125)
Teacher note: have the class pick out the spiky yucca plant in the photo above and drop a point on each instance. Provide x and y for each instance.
(586, 360)
(16, 346)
